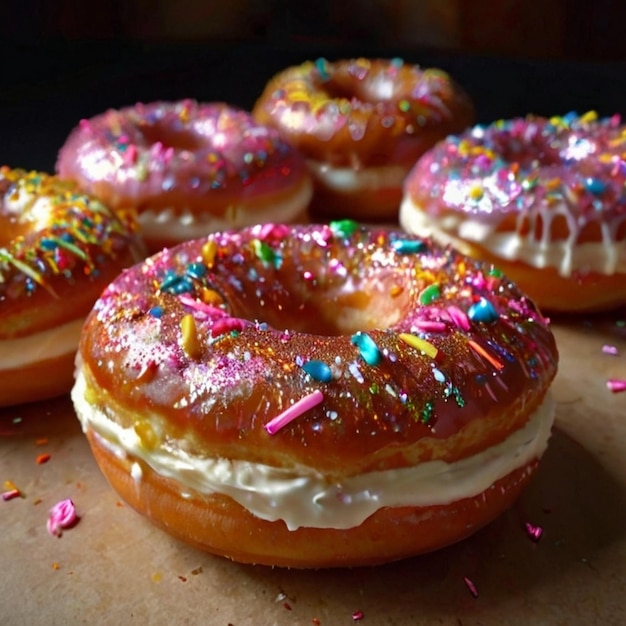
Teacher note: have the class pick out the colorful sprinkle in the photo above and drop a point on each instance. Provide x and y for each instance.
(296, 410)
(533, 531)
(368, 349)
(616, 385)
(408, 246)
(190, 341)
(344, 228)
(483, 311)
(318, 370)
(420, 344)
(430, 294)
(486, 355)
(471, 586)
(62, 516)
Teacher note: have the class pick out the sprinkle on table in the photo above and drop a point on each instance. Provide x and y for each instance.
(42, 458)
(616, 385)
(533, 531)
(357, 616)
(607, 349)
(471, 586)
(62, 516)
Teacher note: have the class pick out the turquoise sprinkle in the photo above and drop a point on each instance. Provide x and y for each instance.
(196, 270)
(322, 68)
(367, 348)
(408, 246)
(482, 311)
(594, 186)
(344, 228)
(318, 370)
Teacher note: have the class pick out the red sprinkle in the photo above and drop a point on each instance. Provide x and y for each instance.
(357, 616)
(42, 458)
(12, 493)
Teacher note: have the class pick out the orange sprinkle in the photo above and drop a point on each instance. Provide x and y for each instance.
(42, 458)
(42, 441)
(482, 352)
(55, 565)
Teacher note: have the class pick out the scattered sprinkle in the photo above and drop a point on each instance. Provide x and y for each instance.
(42, 458)
(482, 352)
(294, 411)
(533, 531)
(408, 246)
(483, 311)
(368, 349)
(471, 586)
(190, 341)
(357, 616)
(616, 385)
(62, 516)
(420, 344)
(606, 349)
(318, 370)
(10, 494)
(430, 294)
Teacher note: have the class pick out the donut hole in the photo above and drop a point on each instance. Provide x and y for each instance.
(170, 137)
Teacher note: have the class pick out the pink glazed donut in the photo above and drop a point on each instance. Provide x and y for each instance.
(187, 168)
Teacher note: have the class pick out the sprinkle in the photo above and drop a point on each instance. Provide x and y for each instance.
(62, 516)
(408, 246)
(482, 352)
(420, 344)
(318, 370)
(209, 250)
(265, 253)
(42, 458)
(367, 348)
(430, 294)
(190, 342)
(610, 350)
(357, 616)
(10, 494)
(533, 531)
(483, 311)
(471, 586)
(458, 317)
(227, 325)
(344, 228)
(294, 411)
(616, 385)
(594, 186)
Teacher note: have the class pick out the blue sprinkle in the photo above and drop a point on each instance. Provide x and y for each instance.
(196, 270)
(156, 311)
(408, 246)
(439, 375)
(367, 348)
(594, 186)
(483, 311)
(322, 68)
(318, 370)
(48, 244)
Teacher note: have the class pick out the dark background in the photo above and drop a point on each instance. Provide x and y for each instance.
(66, 60)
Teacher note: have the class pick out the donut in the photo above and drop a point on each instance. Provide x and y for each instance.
(544, 199)
(315, 396)
(362, 124)
(187, 168)
(58, 250)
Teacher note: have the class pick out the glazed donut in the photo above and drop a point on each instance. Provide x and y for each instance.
(362, 124)
(187, 168)
(315, 396)
(543, 199)
(58, 250)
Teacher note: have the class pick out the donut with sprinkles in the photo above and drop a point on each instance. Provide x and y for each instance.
(316, 396)
(362, 123)
(58, 250)
(187, 168)
(543, 199)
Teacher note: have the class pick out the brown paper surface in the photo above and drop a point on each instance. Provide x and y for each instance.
(113, 567)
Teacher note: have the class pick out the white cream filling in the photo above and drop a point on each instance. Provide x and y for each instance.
(48, 344)
(181, 226)
(302, 496)
(346, 179)
(566, 256)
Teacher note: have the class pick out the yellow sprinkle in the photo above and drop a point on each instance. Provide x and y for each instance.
(210, 296)
(420, 344)
(590, 116)
(396, 290)
(475, 192)
(209, 250)
(190, 342)
(157, 577)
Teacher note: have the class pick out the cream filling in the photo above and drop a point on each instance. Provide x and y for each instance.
(566, 256)
(302, 496)
(177, 226)
(346, 179)
(48, 344)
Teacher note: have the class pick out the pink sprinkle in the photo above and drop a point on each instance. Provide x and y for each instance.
(534, 532)
(430, 325)
(458, 317)
(130, 155)
(10, 494)
(226, 325)
(471, 586)
(616, 385)
(207, 310)
(276, 231)
(294, 411)
(357, 616)
(62, 516)
(609, 350)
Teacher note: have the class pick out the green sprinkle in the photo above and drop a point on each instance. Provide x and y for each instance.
(265, 253)
(430, 294)
(427, 413)
(367, 348)
(344, 228)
